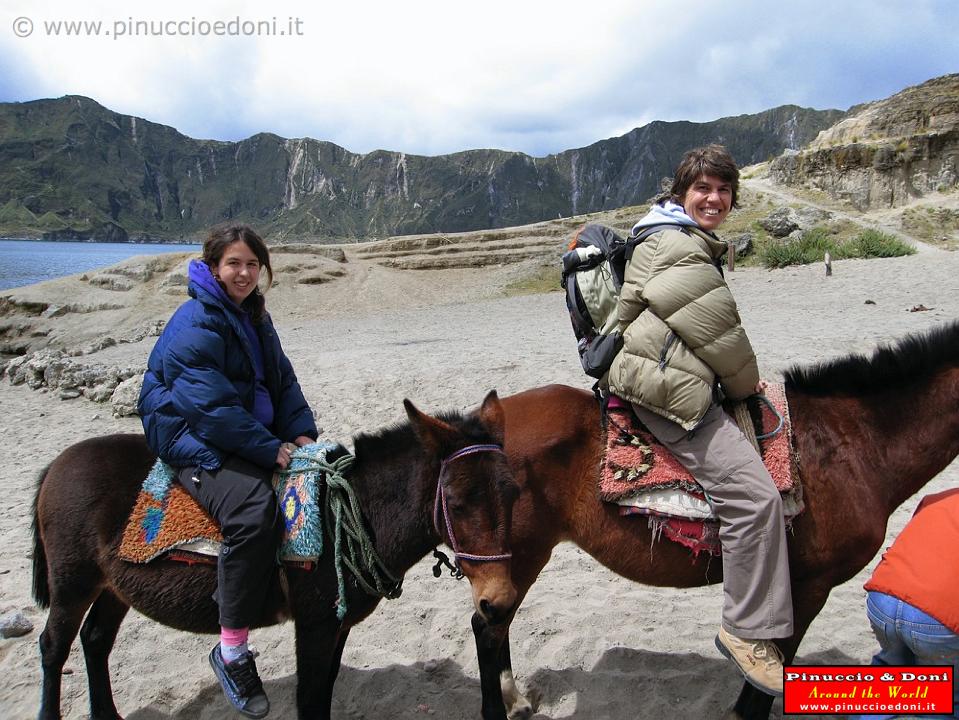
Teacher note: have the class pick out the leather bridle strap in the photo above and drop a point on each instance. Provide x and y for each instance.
(440, 509)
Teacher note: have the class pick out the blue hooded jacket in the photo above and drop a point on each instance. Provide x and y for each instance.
(199, 403)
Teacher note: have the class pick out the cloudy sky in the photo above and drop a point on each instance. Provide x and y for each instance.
(437, 76)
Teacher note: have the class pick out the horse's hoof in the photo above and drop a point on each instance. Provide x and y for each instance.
(523, 707)
(521, 711)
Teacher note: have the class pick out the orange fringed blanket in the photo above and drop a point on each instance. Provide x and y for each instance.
(167, 518)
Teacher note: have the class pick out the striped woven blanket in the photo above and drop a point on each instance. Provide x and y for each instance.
(643, 477)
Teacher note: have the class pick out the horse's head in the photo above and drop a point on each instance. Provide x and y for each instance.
(474, 499)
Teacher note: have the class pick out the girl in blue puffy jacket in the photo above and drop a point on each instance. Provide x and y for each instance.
(221, 404)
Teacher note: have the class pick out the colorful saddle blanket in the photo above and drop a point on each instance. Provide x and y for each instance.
(166, 517)
(643, 477)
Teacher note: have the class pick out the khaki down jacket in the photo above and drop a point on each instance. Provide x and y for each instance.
(681, 329)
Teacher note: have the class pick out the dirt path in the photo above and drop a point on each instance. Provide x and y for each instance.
(887, 221)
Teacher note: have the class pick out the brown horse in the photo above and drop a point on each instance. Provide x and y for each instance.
(870, 432)
(86, 494)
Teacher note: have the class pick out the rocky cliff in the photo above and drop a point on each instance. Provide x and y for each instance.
(885, 153)
(70, 168)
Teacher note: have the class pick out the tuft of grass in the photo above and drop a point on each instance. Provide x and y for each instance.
(544, 279)
(814, 243)
(807, 249)
(873, 243)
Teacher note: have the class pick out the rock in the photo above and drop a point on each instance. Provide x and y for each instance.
(808, 217)
(15, 625)
(101, 392)
(109, 281)
(30, 369)
(152, 329)
(178, 279)
(125, 396)
(107, 232)
(314, 279)
(743, 243)
(71, 374)
(54, 311)
(885, 153)
(54, 370)
(333, 253)
(780, 222)
(94, 346)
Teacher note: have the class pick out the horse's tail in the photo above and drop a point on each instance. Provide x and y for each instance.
(41, 584)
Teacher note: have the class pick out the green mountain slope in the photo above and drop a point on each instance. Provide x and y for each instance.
(70, 168)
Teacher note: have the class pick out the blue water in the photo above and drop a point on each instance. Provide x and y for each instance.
(24, 262)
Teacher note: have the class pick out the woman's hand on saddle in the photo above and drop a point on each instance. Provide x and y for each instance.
(761, 387)
(303, 440)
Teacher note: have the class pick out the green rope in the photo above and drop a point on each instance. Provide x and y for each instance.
(352, 545)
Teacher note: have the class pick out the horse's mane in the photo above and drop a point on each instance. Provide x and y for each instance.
(911, 359)
(400, 437)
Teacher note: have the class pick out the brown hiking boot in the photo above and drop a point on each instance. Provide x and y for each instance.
(760, 661)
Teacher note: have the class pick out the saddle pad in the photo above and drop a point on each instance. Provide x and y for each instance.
(166, 517)
(642, 475)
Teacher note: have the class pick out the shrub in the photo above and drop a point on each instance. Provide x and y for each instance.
(808, 248)
(814, 243)
(873, 243)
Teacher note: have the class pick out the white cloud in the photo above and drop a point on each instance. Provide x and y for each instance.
(427, 76)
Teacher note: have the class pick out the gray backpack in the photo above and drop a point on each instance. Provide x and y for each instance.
(593, 271)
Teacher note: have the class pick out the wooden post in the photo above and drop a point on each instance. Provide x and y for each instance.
(828, 260)
(731, 255)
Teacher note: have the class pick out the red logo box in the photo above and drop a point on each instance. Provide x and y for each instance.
(868, 689)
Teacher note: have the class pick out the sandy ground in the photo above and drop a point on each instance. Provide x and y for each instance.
(584, 643)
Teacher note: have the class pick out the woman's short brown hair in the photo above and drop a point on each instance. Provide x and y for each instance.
(712, 160)
(221, 237)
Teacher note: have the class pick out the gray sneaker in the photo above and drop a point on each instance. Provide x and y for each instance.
(760, 661)
(241, 683)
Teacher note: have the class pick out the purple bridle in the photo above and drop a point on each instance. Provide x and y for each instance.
(441, 503)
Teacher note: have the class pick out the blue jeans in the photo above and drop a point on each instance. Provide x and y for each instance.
(908, 636)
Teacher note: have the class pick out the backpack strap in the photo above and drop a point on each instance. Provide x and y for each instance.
(633, 240)
(581, 324)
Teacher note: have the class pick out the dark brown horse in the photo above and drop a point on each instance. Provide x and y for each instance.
(870, 432)
(86, 495)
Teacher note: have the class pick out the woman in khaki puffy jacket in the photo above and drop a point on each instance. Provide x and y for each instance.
(684, 349)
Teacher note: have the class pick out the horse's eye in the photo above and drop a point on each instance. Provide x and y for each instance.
(509, 491)
(458, 508)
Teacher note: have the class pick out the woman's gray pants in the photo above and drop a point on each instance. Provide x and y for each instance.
(757, 595)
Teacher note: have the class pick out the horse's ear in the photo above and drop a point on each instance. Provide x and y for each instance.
(493, 417)
(434, 434)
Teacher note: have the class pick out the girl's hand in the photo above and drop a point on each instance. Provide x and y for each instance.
(283, 455)
(761, 387)
(303, 440)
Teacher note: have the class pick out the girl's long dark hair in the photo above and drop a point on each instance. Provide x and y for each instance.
(220, 238)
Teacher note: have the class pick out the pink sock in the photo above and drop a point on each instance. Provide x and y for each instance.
(233, 642)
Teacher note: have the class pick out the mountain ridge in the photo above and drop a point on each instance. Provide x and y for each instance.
(71, 168)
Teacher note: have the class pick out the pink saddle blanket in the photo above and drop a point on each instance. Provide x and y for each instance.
(643, 477)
